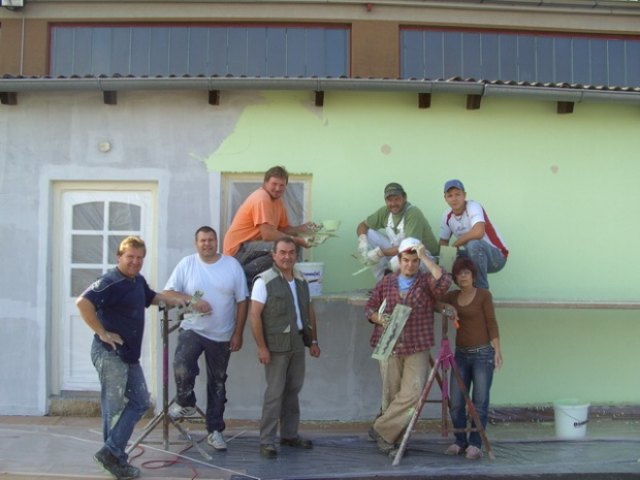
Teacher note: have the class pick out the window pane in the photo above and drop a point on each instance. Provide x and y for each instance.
(121, 51)
(337, 54)
(218, 51)
(563, 53)
(294, 199)
(316, 55)
(616, 63)
(159, 57)
(178, 51)
(88, 216)
(580, 61)
(471, 67)
(101, 47)
(412, 61)
(490, 58)
(237, 51)
(198, 51)
(598, 56)
(296, 51)
(113, 244)
(452, 50)
(276, 45)
(256, 56)
(124, 216)
(140, 51)
(526, 59)
(86, 249)
(434, 55)
(544, 59)
(81, 278)
(62, 51)
(508, 57)
(632, 60)
(83, 56)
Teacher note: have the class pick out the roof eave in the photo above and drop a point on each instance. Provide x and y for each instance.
(213, 83)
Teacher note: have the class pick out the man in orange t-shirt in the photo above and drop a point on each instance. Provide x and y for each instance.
(261, 219)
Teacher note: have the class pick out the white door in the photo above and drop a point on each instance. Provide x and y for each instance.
(94, 223)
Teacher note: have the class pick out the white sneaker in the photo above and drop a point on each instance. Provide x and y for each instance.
(176, 411)
(216, 440)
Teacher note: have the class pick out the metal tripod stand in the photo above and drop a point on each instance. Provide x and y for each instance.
(439, 370)
(163, 415)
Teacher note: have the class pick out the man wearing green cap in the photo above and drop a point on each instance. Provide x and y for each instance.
(381, 233)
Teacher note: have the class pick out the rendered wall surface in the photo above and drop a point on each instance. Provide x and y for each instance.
(552, 354)
(548, 355)
(561, 188)
(556, 186)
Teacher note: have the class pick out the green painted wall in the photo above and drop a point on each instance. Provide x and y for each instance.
(562, 189)
(551, 354)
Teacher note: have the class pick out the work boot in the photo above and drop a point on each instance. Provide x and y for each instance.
(107, 461)
(297, 442)
(128, 471)
(268, 450)
(110, 464)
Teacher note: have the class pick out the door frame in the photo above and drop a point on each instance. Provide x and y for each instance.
(151, 343)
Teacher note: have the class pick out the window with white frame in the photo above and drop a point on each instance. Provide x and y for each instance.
(236, 187)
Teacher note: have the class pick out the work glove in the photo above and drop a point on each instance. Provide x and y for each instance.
(375, 255)
(363, 245)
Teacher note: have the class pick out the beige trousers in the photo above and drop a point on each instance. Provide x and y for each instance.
(403, 379)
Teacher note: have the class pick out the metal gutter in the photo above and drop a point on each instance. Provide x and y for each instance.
(585, 4)
(557, 94)
(454, 86)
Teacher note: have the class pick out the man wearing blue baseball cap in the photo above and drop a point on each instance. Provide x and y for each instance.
(474, 233)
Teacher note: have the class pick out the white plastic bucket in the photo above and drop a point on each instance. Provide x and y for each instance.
(571, 417)
(312, 272)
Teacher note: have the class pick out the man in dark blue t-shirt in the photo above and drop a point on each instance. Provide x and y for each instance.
(113, 307)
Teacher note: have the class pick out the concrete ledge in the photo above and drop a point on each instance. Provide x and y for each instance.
(359, 297)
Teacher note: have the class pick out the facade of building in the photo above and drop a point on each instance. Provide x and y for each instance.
(155, 118)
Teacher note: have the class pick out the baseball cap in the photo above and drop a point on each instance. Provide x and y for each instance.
(408, 244)
(393, 189)
(453, 184)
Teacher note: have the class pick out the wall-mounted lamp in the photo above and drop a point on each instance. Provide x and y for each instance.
(12, 4)
(104, 146)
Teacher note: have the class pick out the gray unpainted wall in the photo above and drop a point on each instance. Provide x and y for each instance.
(343, 384)
(52, 137)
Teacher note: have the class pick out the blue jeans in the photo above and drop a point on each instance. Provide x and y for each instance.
(124, 398)
(475, 369)
(488, 259)
(185, 369)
